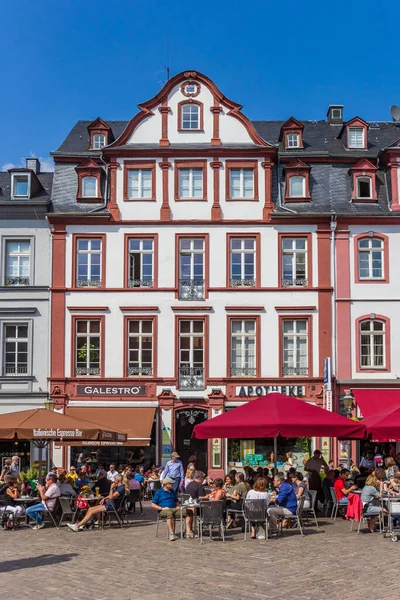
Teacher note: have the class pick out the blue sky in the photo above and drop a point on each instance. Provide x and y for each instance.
(79, 59)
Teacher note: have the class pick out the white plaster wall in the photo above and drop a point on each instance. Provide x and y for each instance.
(148, 131)
(136, 209)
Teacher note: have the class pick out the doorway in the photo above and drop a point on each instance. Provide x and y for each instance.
(185, 420)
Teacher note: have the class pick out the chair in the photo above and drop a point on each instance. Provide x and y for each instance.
(52, 514)
(255, 511)
(133, 497)
(119, 513)
(313, 503)
(297, 516)
(66, 509)
(335, 503)
(328, 499)
(211, 514)
(5, 514)
(151, 490)
(234, 512)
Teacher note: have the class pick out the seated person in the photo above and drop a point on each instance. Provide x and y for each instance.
(370, 497)
(138, 475)
(341, 490)
(217, 492)
(302, 489)
(48, 494)
(361, 477)
(103, 483)
(11, 493)
(394, 484)
(83, 479)
(237, 497)
(329, 479)
(133, 483)
(195, 488)
(166, 502)
(109, 503)
(259, 492)
(65, 486)
(72, 474)
(286, 501)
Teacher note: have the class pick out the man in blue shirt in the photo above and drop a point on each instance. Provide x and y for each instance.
(174, 470)
(286, 501)
(166, 502)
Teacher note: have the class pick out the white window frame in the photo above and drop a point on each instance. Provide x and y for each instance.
(193, 108)
(190, 85)
(369, 251)
(29, 324)
(371, 334)
(363, 179)
(356, 131)
(294, 252)
(140, 191)
(144, 282)
(31, 241)
(140, 335)
(14, 177)
(192, 335)
(296, 358)
(95, 195)
(291, 179)
(243, 281)
(99, 141)
(191, 252)
(244, 337)
(88, 334)
(89, 252)
(339, 111)
(190, 171)
(240, 171)
(293, 140)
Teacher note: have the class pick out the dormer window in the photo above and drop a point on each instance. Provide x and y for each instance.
(89, 187)
(99, 141)
(297, 187)
(364, 181)
(292, 134)
(20, 186)
(364, 187)
(293, 140)
(190, 116)
(297, 181)
(356, 137)
(89, 181)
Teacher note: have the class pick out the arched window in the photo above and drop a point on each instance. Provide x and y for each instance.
(370, 258)
(364, 188)
(297, 187)
(190, 116)
(99, 141)
(89, 187)
(372, 344)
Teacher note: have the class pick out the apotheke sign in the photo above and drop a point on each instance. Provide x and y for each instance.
(100, 390)
(249, 391)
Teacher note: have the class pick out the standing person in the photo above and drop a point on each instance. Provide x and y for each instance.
(174, 470)
(112, 473)
(6, 470)
(48, 494)
(314, 466)
(286, 501)
(14, 468)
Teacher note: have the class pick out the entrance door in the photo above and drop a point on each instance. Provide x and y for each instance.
(185, 420)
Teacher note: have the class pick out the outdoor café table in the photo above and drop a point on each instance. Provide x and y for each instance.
(25, 501)
(194, 506)
(91, 500)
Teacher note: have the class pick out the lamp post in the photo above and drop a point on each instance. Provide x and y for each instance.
(348, 403)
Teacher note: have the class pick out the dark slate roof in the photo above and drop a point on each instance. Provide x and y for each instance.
(65, 189)
(78, 139)
(43, 196)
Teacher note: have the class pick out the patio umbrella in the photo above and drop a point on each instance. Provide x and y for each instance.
(384, 426)
(43, 426)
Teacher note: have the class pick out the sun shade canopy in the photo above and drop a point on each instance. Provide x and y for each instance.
(371, 402)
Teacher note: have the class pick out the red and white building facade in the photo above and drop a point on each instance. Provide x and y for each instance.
(199, 261)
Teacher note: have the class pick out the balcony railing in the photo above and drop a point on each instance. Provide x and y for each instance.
(14, 370)
(295, 371)
(91, 371)
(234, 283)
(297, 282)
(139, 283)
(10, 281)
(243, 372)
(82, 283)
(191, 289)
(191, 378)
(140, 371)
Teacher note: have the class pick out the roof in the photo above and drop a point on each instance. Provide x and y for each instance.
(65, 190)
(42, 196)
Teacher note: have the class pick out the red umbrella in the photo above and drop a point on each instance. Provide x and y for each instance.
(384, 426)
(276, 414)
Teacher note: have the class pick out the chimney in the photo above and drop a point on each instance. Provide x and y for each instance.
(33, 164)
(335, 114)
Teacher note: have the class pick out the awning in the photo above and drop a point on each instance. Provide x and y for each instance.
(136, 422)
(371, 402)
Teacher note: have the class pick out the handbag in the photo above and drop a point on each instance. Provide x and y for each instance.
(81, 503)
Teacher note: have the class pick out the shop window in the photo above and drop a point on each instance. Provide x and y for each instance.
(140, 263)
(140, 347)
(15, 349)
(88, 347)
(191, 354)
(295, 360)
(18, 262)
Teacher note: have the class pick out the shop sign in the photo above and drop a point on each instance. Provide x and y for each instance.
(248, 391)
(100, 390)
(216, 453)
(60, 433)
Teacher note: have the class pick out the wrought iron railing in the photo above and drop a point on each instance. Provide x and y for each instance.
(16, 370)
(242, 283)
(81, 283)
(295, 371)
(134, 283)
(191, 289)
(243, 372)
(17, 281)
(297, 282)
(140, 371)
(91, 371)
(191, 378)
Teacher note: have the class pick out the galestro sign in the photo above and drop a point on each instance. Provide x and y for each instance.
(245, 391)
(100, 390)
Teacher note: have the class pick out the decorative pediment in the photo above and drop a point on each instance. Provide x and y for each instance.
(363, 165)
(99, 125)
(355, 122)
(297, 165)
(291, 124)
(87, 164)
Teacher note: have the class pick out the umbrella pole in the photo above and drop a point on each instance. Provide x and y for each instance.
(275, 455)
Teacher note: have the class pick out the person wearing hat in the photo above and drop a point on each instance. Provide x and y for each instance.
(166, 502)
(174, 470)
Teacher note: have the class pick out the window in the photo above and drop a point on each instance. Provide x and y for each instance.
(370, 258)
(191, 269)
(297, 187)
(89, 262)
(140, 347)
(15, 348)
(87, 357)
(140, 183)
(99, 141)
(292, 140)
(364, 187)
(295, 347)
(336, 113)
(190, 88)
(294, 262)
(18, 262)
(191, 355)
(243, 348)
(89, 187)
(20, 186)
(190, 183)
(372, 334)
(242, 262)
(140, 263)
(190, 116)
(356, 137)
(241, 183)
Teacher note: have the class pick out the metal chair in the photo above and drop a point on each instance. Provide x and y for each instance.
(151, 490)
(119, 514)
(5, 514)
(211, 514)
(313, 503)
(255, 512)
(66, 509)
(297, 516)
(335, 503)
(233, 511)
(328, 499)
(51, 513)
(133, 497)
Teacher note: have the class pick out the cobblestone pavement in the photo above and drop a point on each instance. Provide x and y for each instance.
(131, 564)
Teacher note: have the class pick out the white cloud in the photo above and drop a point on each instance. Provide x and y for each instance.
(46, 164)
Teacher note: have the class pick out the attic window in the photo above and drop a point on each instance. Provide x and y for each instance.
(356, 137)
(293, 140)
(20, 186)
(364, 187)
(336, 113)
(99, 141)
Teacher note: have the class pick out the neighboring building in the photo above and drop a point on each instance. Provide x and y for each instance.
(192, 254)
(24, 293)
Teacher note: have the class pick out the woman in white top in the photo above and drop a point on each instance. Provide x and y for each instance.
(259, 492)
